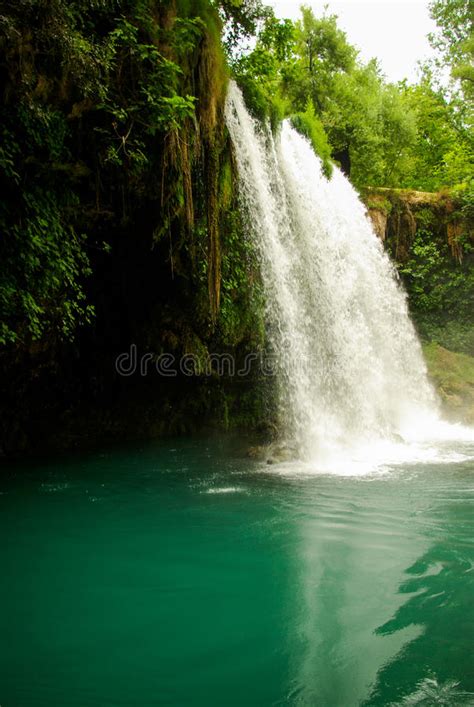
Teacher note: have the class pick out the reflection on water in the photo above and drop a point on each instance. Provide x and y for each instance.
(429, 692)
(372, 631)
(186, 575)
(440, 586)
(348, 561)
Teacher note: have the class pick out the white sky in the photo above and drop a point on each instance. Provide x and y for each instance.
(392, 31)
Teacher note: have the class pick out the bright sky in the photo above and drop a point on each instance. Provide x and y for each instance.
(392, 31)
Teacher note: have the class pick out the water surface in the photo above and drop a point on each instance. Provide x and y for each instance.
(184, 574)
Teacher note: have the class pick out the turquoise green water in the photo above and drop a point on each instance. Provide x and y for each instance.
(182, 574)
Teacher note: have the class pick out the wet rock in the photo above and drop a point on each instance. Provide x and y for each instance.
(379, 222)
(275, 453)
(281, 453)
(259, 452)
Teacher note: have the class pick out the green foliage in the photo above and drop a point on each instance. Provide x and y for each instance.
(368, 119)
(384, 134)
(99, 101)
(311, 63)
(441, 291)
(258, 73)
(308, 124)
(466, 197)
(377, 202)
(260, 104)
(454, 40)
(151, 97)
(322, 52)
(453, 375)
(241, 18)
(43, 263)
(242, 305)
(442, 154)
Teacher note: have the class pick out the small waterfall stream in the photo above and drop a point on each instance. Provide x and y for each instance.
(351, 370)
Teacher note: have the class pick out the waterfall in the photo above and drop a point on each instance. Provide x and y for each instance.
(350, 368)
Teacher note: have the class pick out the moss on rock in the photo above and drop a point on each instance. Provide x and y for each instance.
(453, 377)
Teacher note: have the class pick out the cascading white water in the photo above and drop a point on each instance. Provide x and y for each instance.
(351, 368)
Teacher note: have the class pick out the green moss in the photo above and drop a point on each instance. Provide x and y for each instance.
(242, 306)
(260, 102)
(226, 185)
(256, 100)
(195, 348)
(453, 376)
(379, 204)
(431, 241)
(310, 126)
(250, 407)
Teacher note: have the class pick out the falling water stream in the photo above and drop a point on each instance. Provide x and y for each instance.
(353, 382)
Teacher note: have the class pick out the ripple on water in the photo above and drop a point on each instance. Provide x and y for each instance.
(430, 692)
(225, 489)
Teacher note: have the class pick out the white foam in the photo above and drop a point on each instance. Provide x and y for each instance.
(225, 489)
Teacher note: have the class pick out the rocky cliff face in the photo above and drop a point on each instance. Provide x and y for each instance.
(401, 216)
(397, 214)
(122, 232)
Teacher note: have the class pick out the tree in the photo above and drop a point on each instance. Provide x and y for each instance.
(454, 40)
(442, 154)
(322, 52)
(341, 104)
(241, 19)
